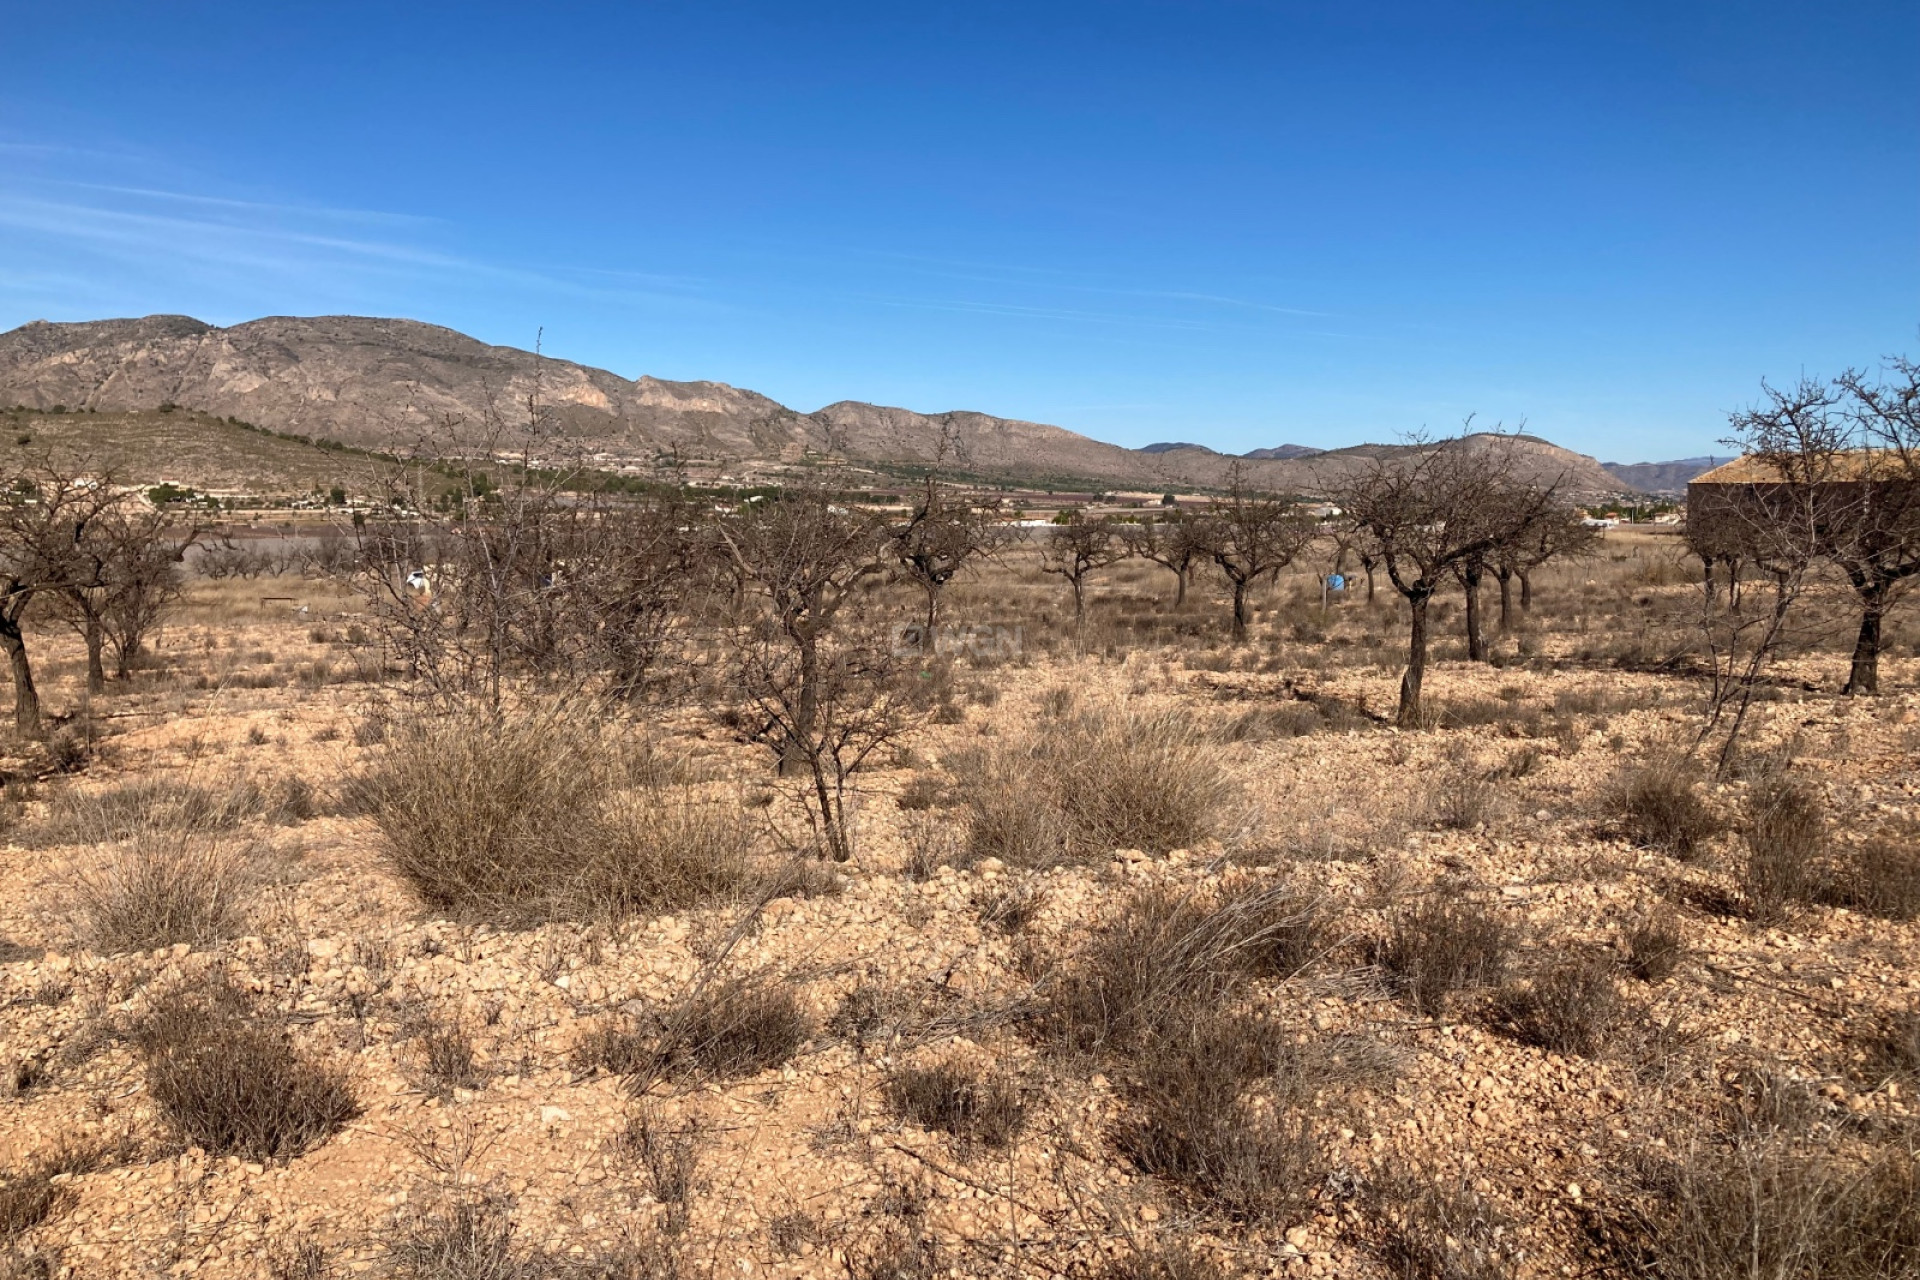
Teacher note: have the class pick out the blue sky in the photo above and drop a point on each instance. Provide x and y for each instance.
(1232, 223)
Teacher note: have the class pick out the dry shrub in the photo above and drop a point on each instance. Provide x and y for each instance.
(1223, 1111)
(739, 1027)
(1164, 950)
(959, 1099)
(468, 1237)
(923, 791)
(29, 1196)
(1009, 905)
(146, 806)
(1762, 1205)
(1658, 804)
(722, 1030)
(1568, 1009)
(1104, 780)
(1892, 1046)
(1441, 946)
(872, 1011)
(669, 1155)
(226, 1076)
(1444, 1231)
(1880, 877)
(155, 891)
(1785, 835)
(448, 1060)
(301, 1260)
(1655, 944)
(1286, 720)
(1463, 798)
(472, 1235)
(1166, 1262)
(801, 877)
(534, 815)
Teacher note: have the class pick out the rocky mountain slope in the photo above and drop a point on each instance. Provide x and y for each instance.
(1660, 477)
(395, 384)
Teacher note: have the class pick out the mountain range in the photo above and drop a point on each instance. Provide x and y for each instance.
(397, 384)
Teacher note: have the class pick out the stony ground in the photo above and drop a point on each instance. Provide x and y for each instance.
(804, 1169)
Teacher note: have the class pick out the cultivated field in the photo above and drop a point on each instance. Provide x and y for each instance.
(1156, 956)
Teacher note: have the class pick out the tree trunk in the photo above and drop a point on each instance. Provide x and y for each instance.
(802, 748)
(26, 699)
(1526, 592)
(1369, 568)
(1408, 716)
(1180, 594)
(1865, 676)
(933, 615)
(96, 669)
(1476, 644)
(1079, 603)
(1506, 600)
(1239, 612)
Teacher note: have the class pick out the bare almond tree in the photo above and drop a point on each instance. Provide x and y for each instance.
(1560, 533)
(45, 515)
(1779, 510)
(1879, 547)
(122, 578)
(829, 694)
(1077, 547)
(942, 534)
(1252, 537)
(1173, 541)
(1431, 510)
(1538, 532)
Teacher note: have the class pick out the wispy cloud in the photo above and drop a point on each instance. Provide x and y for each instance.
(324, 212)
(101, 233)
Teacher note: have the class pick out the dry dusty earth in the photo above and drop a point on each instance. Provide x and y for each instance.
(804, 1169)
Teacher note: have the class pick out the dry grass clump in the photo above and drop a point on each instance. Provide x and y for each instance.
(533, 816)
(1892, 1046)
(1442, 946)
(1786, 832)
(669, 1156)
(1658, 804)
(301, 1260)
(155, 891)
(959, 1099)
(1009, 905)
(1764, 1205)
(1294, 719)
(1463, 798)
(1223, 1109)
(723, 1030)
(1570, 1008)
(1444, 1231)
(448, 1060)
(1164, 949)
(1103, 780)
(1168, 1262)
(1880, 877)
(1655, 944)
(145, 806)
(739, 1027)
(29, 1196)
(468, 1237)
(225, 1075)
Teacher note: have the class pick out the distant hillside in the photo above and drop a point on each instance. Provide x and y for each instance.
(1660, 477)
(393, 384)
(193, 450)
(1285, 452)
